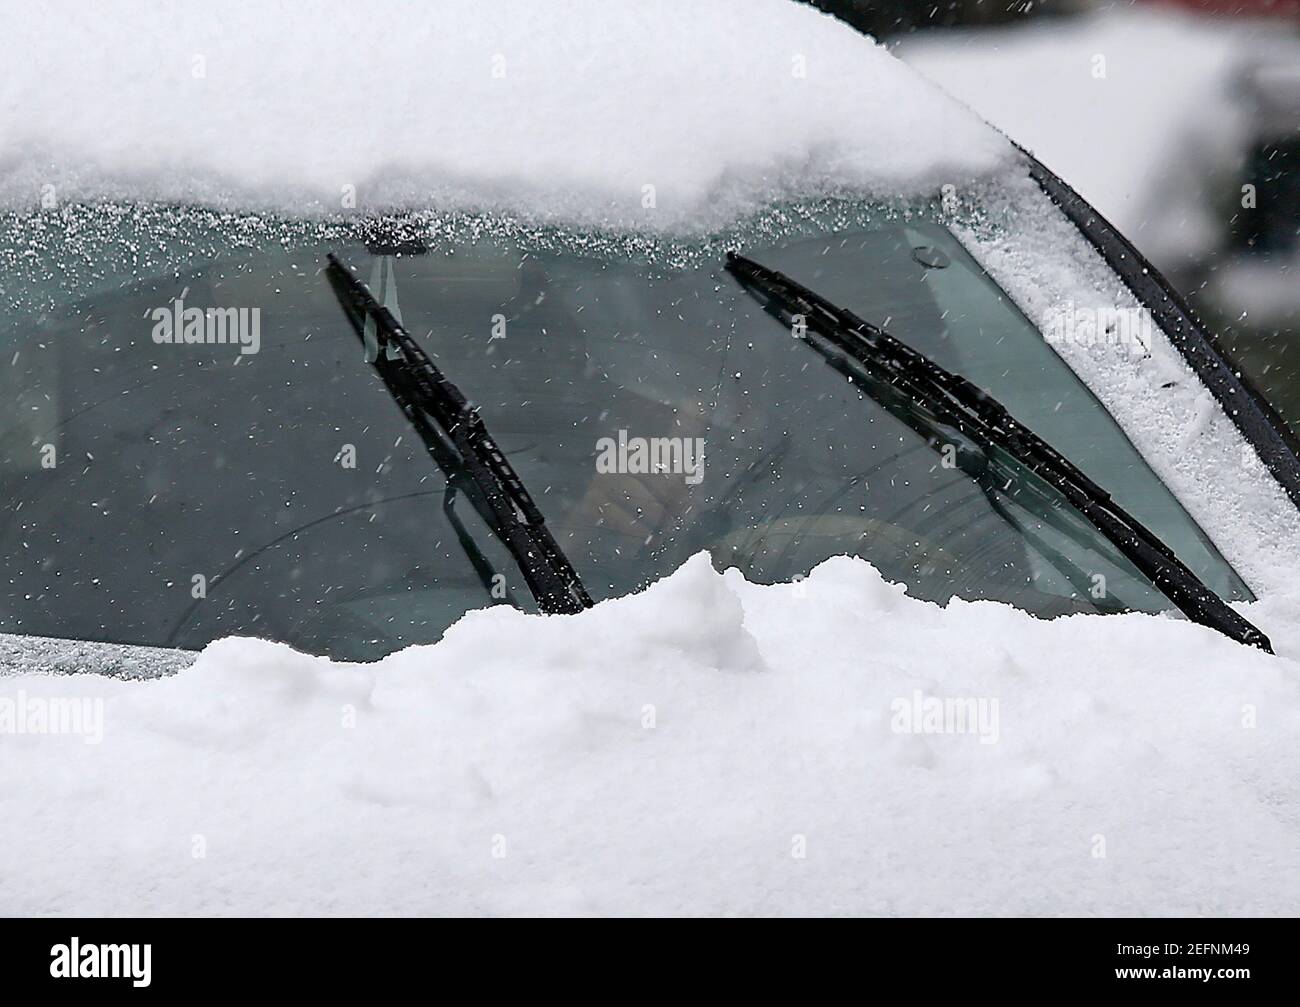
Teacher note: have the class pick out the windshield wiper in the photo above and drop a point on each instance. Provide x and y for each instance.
(958, 403)
(454, 434)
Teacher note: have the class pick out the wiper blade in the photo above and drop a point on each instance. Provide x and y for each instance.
(454, 434)
(969, 409)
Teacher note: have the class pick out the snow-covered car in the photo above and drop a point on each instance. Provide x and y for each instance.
(344, 429)
(332, 342)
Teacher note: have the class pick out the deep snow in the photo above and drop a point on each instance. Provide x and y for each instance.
(674, 752)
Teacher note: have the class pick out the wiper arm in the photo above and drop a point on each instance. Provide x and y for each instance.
(454, 434)
(958, 403)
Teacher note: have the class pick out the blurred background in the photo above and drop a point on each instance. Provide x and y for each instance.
(1179, 120)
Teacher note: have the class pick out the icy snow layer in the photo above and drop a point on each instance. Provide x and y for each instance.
(675, 752)
(1043, 262)
(1150, 144)
(562, 109)
(41, 655)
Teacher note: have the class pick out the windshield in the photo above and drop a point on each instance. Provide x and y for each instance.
(200, 447)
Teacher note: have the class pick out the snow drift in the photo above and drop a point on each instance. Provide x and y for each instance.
(707, 746)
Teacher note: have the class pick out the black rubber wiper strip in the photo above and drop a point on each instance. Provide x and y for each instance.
(957, 402)
(454, 434)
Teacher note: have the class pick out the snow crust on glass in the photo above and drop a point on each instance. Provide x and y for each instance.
(1182, 432)
(706, 746)
(563, 110)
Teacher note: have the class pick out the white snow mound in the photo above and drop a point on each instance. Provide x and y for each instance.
(707, 746)
(560, 109)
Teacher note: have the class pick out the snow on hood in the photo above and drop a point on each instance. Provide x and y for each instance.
(566, 109)
(706, 746)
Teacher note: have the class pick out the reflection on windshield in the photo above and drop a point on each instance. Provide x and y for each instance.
(172, 493)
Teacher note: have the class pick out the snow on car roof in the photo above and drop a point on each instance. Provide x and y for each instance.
(568, 110)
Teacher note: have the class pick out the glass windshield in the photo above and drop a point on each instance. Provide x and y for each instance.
(197, 446)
